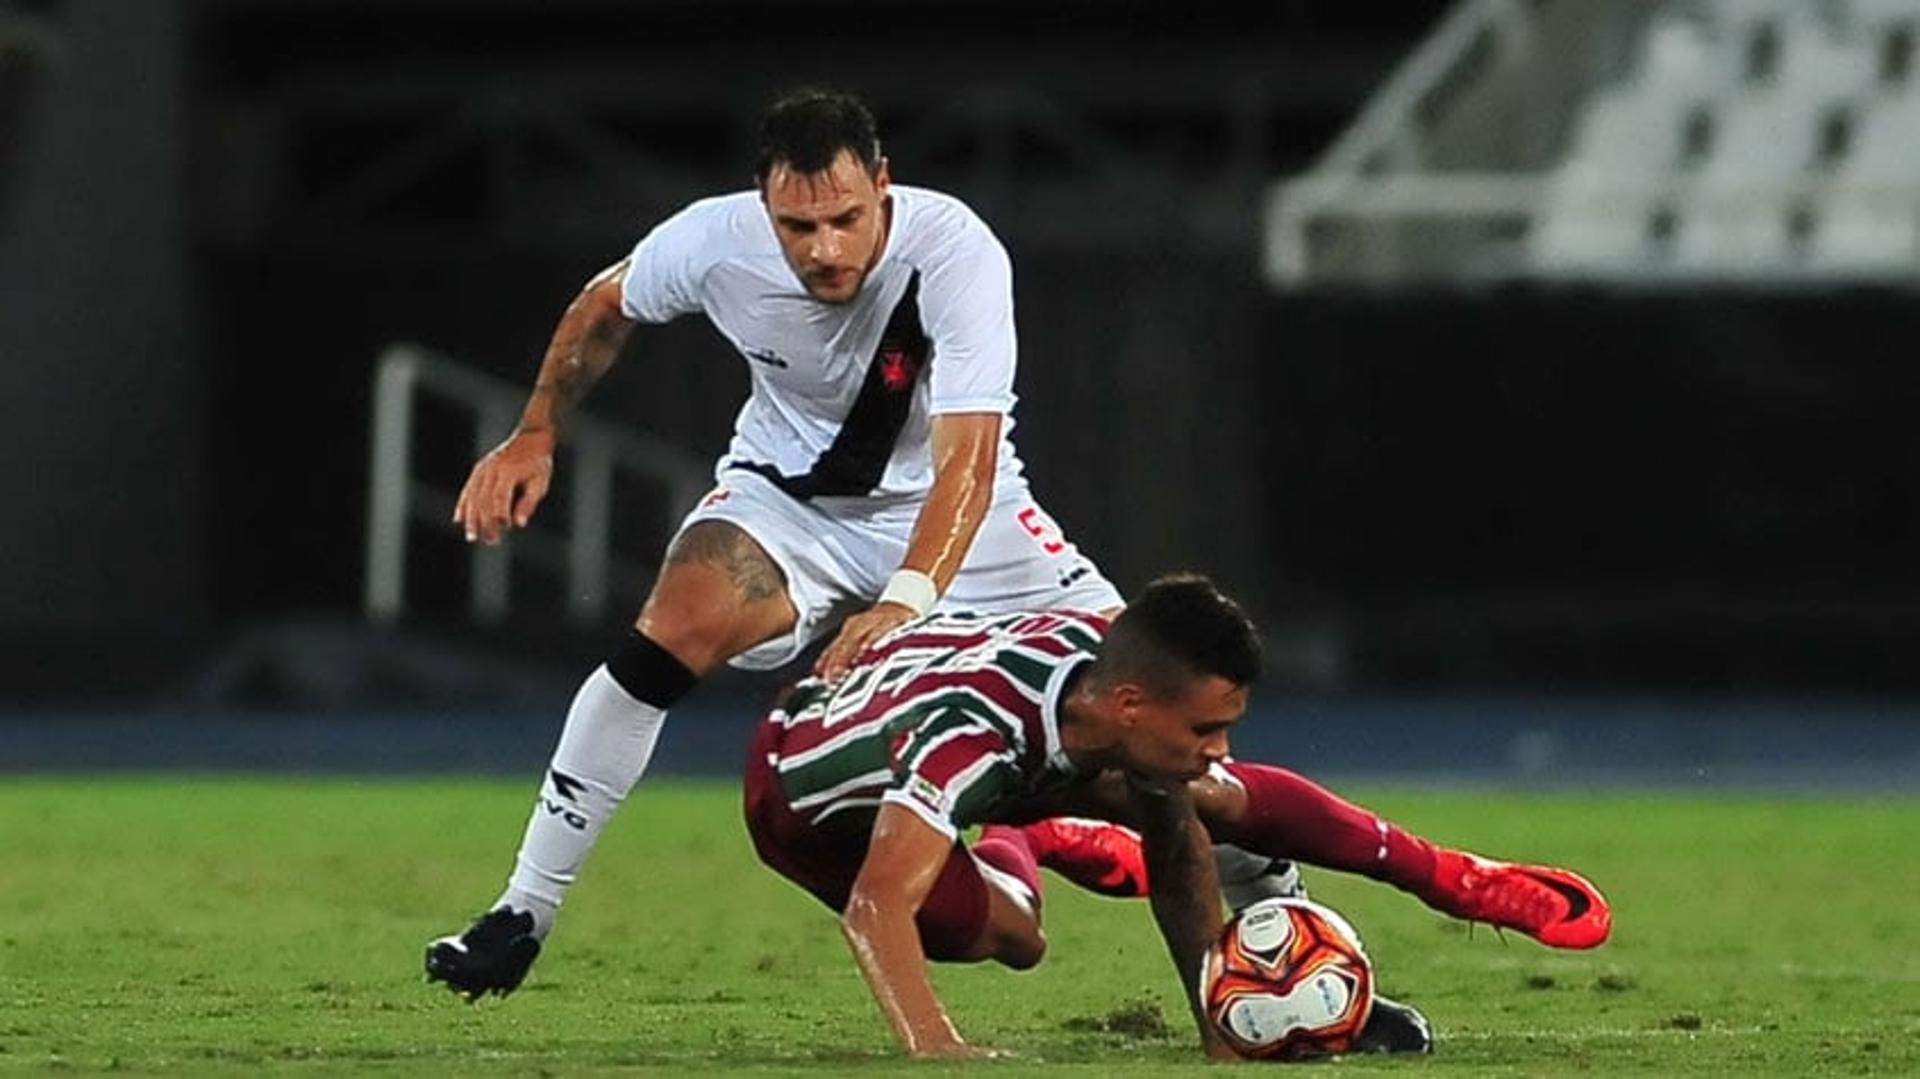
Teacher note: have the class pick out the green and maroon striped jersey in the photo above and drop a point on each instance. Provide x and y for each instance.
(951, 716)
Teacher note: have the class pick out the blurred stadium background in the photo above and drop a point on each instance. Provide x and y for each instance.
(1539, 371)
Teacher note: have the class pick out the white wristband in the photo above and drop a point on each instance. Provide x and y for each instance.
(911, 589)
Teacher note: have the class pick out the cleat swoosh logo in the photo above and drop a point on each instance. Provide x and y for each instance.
(1577, 902)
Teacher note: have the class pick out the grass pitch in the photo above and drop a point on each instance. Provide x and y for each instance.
(240, 927)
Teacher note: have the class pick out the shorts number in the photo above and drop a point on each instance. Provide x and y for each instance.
(1042, 530)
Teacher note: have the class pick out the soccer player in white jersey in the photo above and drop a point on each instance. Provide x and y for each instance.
(857, 791)
(869, 471)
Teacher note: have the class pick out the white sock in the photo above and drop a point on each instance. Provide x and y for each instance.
(1246, 877)
(604, 748)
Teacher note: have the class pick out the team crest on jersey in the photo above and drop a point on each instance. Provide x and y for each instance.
(896, 369)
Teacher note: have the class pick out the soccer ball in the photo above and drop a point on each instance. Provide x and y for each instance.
(1288, 979)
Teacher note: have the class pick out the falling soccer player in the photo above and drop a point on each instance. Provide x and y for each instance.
(857, 791)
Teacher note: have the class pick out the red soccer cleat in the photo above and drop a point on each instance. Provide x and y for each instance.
(1095, 854)
(1554, 906)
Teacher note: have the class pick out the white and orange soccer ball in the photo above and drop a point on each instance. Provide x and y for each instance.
(1288, 979)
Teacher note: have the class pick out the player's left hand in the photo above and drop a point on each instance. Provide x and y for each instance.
(856, 634)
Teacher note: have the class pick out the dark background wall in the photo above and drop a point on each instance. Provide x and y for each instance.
(104, 492)
(220, 211)
(1570, 490)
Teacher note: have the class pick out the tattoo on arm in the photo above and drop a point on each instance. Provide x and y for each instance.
(731, 551)
(563, 390)
(599, 347)
(572, 368)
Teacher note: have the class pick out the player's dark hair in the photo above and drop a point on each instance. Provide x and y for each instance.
(1180, 628)
(806, 129)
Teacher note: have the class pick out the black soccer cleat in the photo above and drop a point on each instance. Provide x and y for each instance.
(1394, 1028)
(492, 956)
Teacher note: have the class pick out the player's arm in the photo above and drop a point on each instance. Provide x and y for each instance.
(966, 308)
(506, 486)
(1186, 890)
(904, 858)
(966, 448)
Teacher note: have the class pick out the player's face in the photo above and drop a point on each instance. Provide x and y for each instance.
(1180, 737)
(832, 224)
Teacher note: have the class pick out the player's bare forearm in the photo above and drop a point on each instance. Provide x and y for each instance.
(904, 857)
(886, 945)
(966, 449)
(1186, 889)
(507, 485)
(584, 346)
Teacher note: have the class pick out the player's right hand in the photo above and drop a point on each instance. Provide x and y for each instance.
(505, 487)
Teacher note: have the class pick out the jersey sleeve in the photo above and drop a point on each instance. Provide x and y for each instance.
(662, 280)
(950, 770)
(966, 303)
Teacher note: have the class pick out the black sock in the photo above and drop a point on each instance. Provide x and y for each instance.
(650, 673)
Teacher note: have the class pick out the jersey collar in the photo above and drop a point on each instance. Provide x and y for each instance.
(896, 210)
(1050, 710)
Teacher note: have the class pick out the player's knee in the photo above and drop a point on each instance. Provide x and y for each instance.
(695, 637)
(1006, 932)
(699, 626)
(1020, 949)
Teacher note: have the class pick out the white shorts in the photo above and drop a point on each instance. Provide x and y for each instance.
(837, 554)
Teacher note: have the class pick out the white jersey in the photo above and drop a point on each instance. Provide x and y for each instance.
(843, 394)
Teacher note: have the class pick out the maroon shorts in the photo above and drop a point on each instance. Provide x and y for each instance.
(825, 862)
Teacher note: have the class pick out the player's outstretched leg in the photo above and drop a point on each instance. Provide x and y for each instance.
(718, 595)
(1107, 858)
(1554, 906)
(612, 726)
(1095, 854)
(1283, 814)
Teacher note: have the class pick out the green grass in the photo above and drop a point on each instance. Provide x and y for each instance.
(238, 927)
